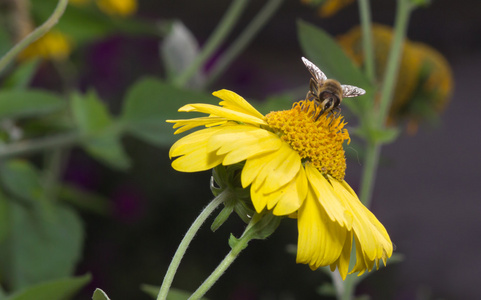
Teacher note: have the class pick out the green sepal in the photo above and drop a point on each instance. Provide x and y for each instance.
(265, 225)
(238, 200)
(222, 216)
(261, 227)
(233, 242)
(100, 295)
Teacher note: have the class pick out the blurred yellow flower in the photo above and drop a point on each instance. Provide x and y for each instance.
(328, 8)
(295, 166)
(424, 84)
(54, 45)
(121, 8)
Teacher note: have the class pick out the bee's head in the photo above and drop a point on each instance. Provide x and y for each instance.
(328, 101)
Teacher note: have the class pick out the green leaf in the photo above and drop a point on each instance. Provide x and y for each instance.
(58, 289)
(150, 102)
(4, 222)
(42, 245)
(320, 48)
(100, 295)
(384, 135)
(27, 103)
(85, 200)
(102, 134)
(21, 179)
(86, 23)
(21, 76)
(323, 50)
(275, 103)
(90, 113)
(178, 50)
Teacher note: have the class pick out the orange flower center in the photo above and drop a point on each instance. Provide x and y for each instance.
(317, 140)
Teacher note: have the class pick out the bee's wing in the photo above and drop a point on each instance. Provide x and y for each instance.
(318, 75)
(351, 91)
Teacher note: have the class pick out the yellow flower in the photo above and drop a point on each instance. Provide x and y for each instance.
(328, 8)
(121, 8)
(53, 45)
(295, 166)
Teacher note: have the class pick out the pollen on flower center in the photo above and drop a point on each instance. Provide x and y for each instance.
(317, 141)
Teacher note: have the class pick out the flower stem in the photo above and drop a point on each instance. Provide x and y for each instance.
(225, 263)
(184, 244)
(217, 37)
(373, 148)
(367, 42)
(30, 146)
(34, 35)
(404, 8)
(371, 162)
(244, 39)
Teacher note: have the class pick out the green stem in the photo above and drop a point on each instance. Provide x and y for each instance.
(404, 8)
(244, 39)
(225, 263)
(344, 289)
(30, 146)
(184, 244)
(34, 35)
(217, 37)
(367, 42)
(373, 148)
(371, 162)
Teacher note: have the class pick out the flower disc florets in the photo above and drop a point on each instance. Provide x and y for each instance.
(317, 139)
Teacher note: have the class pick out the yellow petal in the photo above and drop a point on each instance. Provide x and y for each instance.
(251, 169)
(320, 240)
(223, 112)
(196, 161)
(193, 151)
(373, 237)
(342, 263)
(195, 122)
(245, 151)
(280, 167)
(235, 102)
(328, 198)
(288, 204)
(192, 141)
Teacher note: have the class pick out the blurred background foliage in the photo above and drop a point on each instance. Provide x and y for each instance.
(87, 195)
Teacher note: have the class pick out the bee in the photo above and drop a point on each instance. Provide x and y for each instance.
(328, 93)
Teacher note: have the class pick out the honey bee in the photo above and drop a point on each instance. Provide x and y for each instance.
(328, 93)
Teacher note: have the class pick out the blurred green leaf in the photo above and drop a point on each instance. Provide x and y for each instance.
(4, 222)
(85, 200)
(385, 135)
(320, 48)
(42, 245)
(102, 134)
(90, 113)
(274, 103)
(178, 50)
(5, 41)
(150, 102)
(174, 294)
(59, 289)
(21, 76)
(21, 179)
(100, 295)
(26, 103)
(85, 23)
